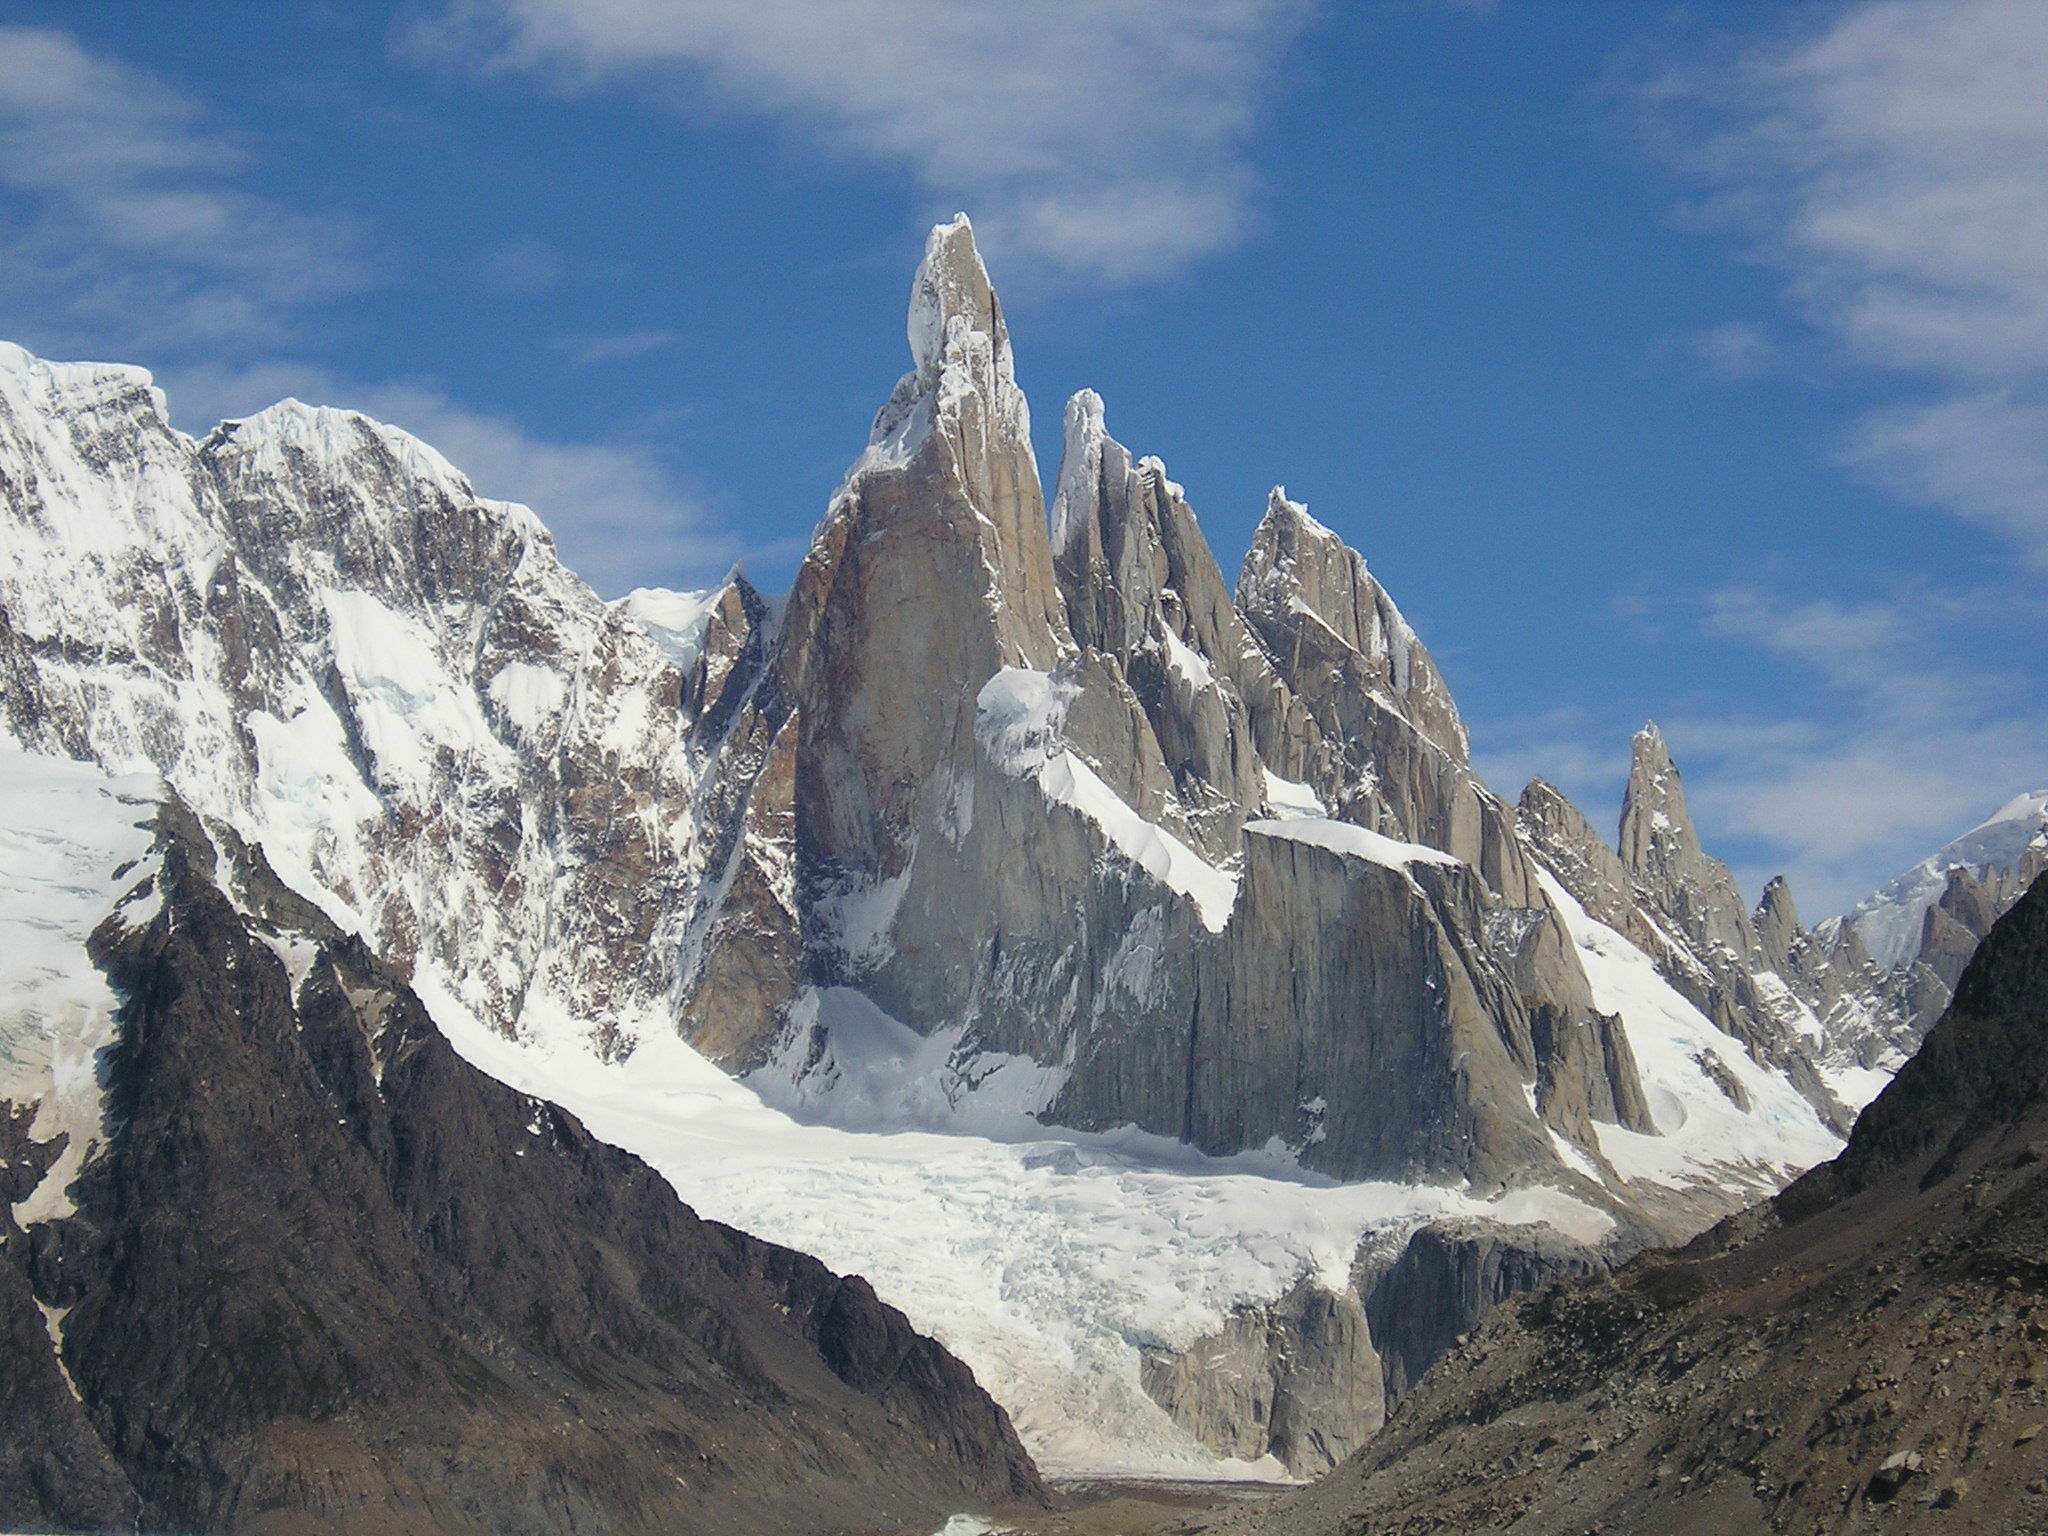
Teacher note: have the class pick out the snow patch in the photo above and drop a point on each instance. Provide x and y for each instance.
(1290, 801)
(847, 1063)
(860, 917)
(1352, 841)
(1188, 662)
(405, 701)
(74, 840)
(1019, 716)
(676, 622)
(530, 696)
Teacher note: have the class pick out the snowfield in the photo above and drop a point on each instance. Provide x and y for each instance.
(1045, 1258)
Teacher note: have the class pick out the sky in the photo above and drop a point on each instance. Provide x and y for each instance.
(1685, 362)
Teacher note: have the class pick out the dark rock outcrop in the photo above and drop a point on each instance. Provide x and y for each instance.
(1448, 1277)
(326, 1276)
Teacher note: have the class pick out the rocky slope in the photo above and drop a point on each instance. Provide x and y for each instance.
(1265, 907)
(1866, 1351)
(320, 1274)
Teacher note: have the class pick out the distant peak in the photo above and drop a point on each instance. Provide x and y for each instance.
(1649, 754)
(1777, 905)
(1074, 499)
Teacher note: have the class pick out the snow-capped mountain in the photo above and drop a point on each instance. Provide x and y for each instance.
(1892, 921)
(1177, 909)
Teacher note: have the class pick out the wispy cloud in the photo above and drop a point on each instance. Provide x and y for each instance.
(1892, 160)
(126, 210)
(1099, 137)
(1912, 745)
(619, 347)
(620, 517)
(1738, 349)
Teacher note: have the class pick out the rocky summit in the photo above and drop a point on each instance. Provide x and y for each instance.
(1005, 819)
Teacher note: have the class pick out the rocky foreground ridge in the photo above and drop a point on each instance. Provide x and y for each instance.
(323, 1276)
(1267, 903)
(1866, 1351)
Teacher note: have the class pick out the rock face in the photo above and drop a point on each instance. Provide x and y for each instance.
(326, 1276)
(1298, 1380)
(1448, 1277)
(956, 682)
(1862, 1352)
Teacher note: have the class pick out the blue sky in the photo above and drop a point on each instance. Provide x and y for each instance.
(1687, 363)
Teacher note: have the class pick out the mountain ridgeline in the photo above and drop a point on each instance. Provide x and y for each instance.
(1140, 846)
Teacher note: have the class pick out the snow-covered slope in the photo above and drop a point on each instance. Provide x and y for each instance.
(1048, 1260)
(315, 632)
(74, 842)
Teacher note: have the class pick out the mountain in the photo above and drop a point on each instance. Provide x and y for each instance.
(1175, 902)
(1862, 1352)
(1893, 922)
(283, 1261)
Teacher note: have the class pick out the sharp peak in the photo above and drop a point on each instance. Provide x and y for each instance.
(1284, 509)
(950, 281)
(1084, 417)
(1648, 748)
(1086, 448)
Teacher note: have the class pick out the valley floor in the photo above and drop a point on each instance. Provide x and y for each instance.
(1114, 1507)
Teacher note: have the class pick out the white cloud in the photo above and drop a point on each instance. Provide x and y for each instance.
(1983, 454)
(127, 216)
(1893, 160)
(618, 347)
(1101, 137)
(619, 517)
